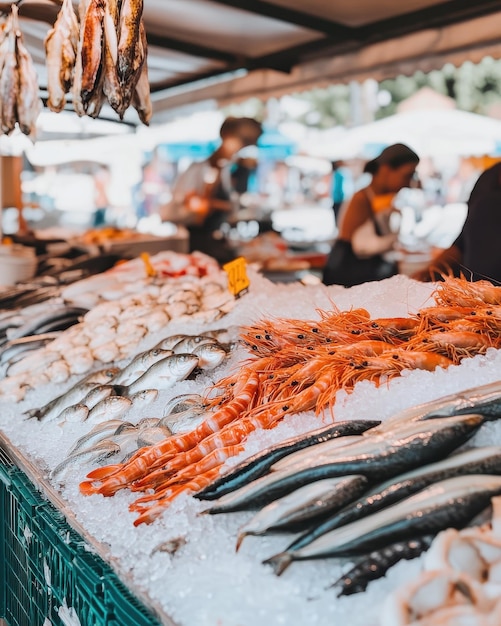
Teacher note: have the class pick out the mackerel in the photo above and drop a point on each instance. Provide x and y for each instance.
(378, 457)
(14, 348)
(258, 464)
(473, 461)
(304, 505)
(45, 320)
(484, 400)
(450, 503)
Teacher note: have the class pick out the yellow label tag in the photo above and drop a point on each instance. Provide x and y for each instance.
(150, 270)
(238, 281)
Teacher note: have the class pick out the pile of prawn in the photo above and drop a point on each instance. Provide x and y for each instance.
(299, 366)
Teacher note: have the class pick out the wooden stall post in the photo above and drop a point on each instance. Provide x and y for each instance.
(10, 187)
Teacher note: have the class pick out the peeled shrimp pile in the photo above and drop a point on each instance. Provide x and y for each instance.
(18, 80)
(299, 366)
(99, 55)
(133, 277)
(460, 583)
(111, 331)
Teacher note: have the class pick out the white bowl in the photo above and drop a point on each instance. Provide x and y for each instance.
(14, 268)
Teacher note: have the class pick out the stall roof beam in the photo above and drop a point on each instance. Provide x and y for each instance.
(292, 16)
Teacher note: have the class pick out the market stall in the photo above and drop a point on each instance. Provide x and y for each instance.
(99, 527)
(181, 563)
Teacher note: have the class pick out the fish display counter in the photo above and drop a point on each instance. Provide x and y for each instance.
(287, 454)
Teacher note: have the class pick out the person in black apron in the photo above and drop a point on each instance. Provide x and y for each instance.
(366, 233)
(202, 195)
(475, 253)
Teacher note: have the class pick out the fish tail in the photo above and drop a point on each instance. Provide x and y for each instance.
(377, 563)
(279, 562)
(241, 536)
(33, 413)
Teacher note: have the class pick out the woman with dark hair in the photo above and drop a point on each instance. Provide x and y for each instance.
(365, 229)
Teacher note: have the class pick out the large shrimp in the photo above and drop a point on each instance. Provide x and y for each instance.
(394, 329)
(418, 359)
(108, 480)
(187, 465)
(461, 292)
(272, 335)
(454, 344)
(192, 486)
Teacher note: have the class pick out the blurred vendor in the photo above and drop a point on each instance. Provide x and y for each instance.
(202, 195)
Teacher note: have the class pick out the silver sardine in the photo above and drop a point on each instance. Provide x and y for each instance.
(164, 373)
(139, 365)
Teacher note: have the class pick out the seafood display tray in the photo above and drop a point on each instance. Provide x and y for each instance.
(47, 570)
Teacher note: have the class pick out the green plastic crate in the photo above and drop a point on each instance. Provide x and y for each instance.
(44, 565)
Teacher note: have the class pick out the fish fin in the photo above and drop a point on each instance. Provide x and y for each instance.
(279, 562)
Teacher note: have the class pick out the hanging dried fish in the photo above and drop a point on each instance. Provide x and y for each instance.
(61, 52)
(111, 59)
(9, 80)
(92, 49)
(29, 105)
(130, 50)
(19, 101)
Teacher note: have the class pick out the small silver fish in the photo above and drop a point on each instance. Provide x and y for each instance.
(53, 409)
(210, 355)
(165, 373)
(143, 397)
(97, 453)
(139, 365)
(109, 408)
(148, 422)
(74, 413)
(169, 342)
(190, 342)
(181, 403)
(185, 421)
(97, 394)
(100, 431)
(153, 435)
(102, 377)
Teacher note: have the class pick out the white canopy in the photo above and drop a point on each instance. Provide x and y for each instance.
(434, 133)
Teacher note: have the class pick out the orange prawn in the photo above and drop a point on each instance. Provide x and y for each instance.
(461, 292)
(192, 486)
(107, 480)
(395, 329)
(417, 359)
(456, 344)
(194, 462)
